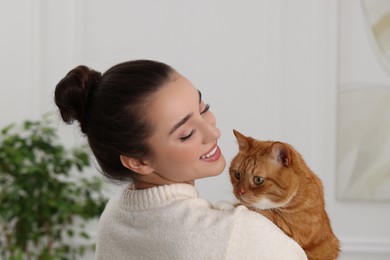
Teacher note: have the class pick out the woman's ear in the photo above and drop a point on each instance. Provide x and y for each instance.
(136, 165)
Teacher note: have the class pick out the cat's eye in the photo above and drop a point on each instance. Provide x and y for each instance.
(258, 180)
(237, 175)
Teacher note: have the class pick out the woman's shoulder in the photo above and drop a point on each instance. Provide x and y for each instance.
(246, 219)
(255, 237)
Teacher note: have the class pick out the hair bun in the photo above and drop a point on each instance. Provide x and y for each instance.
(73, 92)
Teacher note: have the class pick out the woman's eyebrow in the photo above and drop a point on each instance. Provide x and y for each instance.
(200, 96)
(180, 123)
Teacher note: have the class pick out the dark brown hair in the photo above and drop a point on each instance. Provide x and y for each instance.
(111, 109)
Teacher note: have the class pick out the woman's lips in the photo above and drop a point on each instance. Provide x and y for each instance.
(212, 155)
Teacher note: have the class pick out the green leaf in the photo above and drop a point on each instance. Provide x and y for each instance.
(84, 235)
(42, 192)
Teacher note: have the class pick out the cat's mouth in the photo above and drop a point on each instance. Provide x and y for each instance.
(244, 200)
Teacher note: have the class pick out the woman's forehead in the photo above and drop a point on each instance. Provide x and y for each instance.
(173, 102)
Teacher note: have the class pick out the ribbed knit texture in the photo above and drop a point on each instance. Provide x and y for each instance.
(134, 200)
(171, 222)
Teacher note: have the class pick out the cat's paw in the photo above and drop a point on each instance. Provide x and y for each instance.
(223, 205)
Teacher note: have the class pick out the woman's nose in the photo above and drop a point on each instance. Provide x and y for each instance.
(210, 131)
(211, 118)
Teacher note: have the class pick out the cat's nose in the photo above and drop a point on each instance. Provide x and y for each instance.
(241, 192)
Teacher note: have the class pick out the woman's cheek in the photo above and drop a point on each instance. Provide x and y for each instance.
(189, 151)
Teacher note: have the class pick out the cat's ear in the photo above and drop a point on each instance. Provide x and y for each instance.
(281, 153)
(244, 142)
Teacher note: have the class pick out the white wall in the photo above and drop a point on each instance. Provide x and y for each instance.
(268, 68)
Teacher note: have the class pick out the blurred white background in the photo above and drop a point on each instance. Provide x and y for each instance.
(269, 68)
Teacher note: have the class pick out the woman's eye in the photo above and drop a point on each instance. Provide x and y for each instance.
(237, 175)
(258, 180)
(185, 138)
(207, 108)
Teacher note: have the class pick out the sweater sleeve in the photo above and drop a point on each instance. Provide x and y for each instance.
(256, 237)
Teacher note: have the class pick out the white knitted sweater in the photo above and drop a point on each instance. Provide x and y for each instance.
(171, 222)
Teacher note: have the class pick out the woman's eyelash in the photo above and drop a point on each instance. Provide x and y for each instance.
(185, 138)
(207, 108)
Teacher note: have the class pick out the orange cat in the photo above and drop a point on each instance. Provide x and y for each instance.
(272, 178)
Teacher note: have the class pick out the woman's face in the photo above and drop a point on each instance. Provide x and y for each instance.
(184, 141)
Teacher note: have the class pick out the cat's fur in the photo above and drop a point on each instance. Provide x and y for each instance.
(288, 193)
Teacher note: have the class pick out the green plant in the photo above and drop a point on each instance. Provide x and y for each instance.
(43, 203)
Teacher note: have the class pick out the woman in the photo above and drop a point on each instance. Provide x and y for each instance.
(148, 125)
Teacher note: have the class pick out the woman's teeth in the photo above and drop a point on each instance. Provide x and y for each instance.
(209, 154)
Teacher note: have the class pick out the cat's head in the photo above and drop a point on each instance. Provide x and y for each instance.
(262, 174)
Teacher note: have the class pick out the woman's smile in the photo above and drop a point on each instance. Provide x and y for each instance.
(212, 155)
